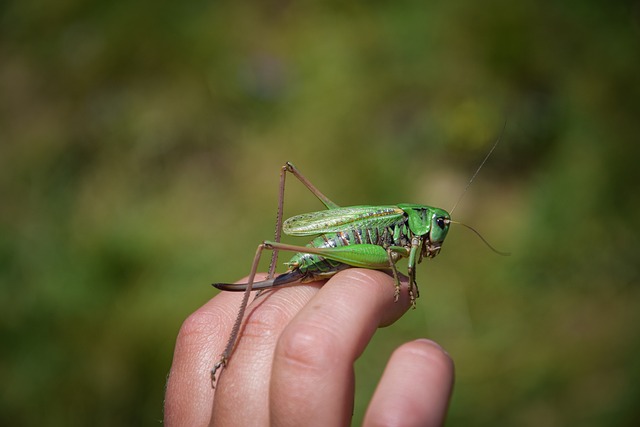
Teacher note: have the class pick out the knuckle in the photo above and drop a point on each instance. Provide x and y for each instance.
(265, 321)
(307, 347)
(198, 327)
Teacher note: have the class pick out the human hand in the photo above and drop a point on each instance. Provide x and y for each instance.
(293, 364)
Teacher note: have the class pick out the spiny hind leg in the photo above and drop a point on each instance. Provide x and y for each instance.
(289, 167)
(235, 330)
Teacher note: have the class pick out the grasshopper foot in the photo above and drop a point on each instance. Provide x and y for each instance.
(413, 296)
(222, 363)
(412, 299)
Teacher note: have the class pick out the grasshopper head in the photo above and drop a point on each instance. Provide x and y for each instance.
(438, 229)
(431, 224)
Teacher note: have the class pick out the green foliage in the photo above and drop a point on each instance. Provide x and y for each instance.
(132, 134)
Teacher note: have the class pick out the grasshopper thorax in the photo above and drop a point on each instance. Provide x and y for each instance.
(430, 224)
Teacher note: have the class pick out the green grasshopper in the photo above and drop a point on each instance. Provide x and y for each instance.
(374, 237)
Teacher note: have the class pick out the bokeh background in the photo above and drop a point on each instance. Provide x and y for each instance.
(140, 144)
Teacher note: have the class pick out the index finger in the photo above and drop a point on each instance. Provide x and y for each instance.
(189, 395)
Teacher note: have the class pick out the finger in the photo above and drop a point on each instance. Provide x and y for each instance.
(415, 387)
(242, 391)
(312, 378)
(203, 335)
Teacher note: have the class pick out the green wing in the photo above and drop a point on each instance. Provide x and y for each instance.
(341, 219)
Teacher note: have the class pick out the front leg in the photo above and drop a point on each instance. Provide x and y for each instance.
(394, 253)
(416, 244)
(413, 286)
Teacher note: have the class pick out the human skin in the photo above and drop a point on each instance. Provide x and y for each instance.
(293, 365)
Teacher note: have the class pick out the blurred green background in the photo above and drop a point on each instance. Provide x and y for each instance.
(140, 144)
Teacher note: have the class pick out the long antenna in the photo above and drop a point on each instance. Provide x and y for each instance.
(480, 167)
(481, 238)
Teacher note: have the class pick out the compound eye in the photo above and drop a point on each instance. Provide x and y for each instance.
(441, 223)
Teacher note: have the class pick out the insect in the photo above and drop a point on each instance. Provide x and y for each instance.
(374, 237)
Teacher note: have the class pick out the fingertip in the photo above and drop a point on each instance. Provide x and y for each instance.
(372, 288)
(415, 387)
(430, 351)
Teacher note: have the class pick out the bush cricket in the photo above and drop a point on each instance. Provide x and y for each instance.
(374, 237)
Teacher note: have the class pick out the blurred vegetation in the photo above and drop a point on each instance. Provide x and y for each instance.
(139, 151)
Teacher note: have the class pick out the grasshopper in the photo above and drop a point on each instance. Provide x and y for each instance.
(374, 237)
